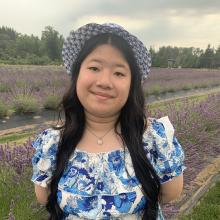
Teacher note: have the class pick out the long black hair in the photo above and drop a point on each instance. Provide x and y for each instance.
(133, 124)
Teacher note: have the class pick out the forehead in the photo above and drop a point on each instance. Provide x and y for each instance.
(107, 53)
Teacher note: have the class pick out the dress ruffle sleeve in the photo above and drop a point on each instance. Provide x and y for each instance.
(44, 158)
(163, 149)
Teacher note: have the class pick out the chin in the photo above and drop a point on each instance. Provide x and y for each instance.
(103, 114)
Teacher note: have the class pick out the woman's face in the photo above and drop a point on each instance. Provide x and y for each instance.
(104, 81)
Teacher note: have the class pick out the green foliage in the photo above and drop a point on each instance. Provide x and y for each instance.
(4, 87)
(16, 48)
(187, 87)
(27, 45)
(23, 49)
(30, 59)
(209, 207)
(3, 109)
(186, 57)
(17, 194)
(51, 102)
(35, 60)
(52, 43)
(14, 137)
(25, 104)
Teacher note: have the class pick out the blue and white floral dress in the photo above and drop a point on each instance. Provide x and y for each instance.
(103, 185)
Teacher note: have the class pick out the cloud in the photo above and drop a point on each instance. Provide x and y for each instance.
(140, 8)
(161, 22)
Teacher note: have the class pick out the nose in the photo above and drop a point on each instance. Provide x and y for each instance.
(104, 79)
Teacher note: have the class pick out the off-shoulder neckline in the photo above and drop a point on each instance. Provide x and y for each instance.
(120, 150)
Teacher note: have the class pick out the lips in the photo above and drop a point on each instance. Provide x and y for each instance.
(101, 94)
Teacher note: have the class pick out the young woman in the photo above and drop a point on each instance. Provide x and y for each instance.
(108, 160)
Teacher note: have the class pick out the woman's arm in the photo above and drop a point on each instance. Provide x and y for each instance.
(41, 194)
(172, 189)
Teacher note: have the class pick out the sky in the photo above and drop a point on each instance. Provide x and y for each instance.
(182, 23)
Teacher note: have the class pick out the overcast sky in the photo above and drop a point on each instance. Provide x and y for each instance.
(157, 23)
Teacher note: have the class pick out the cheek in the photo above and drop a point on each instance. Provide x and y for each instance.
(124, 93)
(126, 89)
(77, 87)
(82, 83)
(80, 88)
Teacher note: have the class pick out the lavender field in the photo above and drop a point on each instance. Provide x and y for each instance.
(196, 123)
(197, 127)
(25, 89)
(172, 80)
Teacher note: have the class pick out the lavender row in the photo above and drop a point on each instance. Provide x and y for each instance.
(197, 127)
(41, 81)
(17, 156)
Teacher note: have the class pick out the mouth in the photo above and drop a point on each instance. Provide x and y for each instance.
(102, 95)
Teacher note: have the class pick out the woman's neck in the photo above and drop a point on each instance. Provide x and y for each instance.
(100, 124)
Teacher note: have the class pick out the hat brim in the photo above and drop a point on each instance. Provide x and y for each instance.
(76, 40)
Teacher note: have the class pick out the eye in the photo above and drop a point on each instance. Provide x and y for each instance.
(119, 74)
(93, 68)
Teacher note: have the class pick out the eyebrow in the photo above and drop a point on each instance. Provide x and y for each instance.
(115, 64)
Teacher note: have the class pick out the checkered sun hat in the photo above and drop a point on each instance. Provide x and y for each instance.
(76, 40)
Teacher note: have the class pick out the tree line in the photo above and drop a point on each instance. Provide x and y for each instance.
(17, 48)
(186, 57)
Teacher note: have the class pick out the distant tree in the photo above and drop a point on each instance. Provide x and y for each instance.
(16, 48)
(52, 42)
(7, 42)
(167, 54)
(153, 55)
(187, 58)
(161, 57)
(197, 52)
(207, 58)
(11, 33)
(217, 58)
(27, 45)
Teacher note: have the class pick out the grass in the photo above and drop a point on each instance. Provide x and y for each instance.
(19, 138)
(208, 208)
(3, 109)
(178, 101)
(18, 192)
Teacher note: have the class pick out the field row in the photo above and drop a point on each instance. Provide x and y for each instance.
(25, 89)
(197, 127)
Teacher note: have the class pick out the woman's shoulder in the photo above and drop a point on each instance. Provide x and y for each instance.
(159, 131)
(46, 139)
(44, 158)
(159, 127)
(163, 148)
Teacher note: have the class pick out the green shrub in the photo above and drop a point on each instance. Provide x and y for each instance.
(29, 59)
(156, 90)
(25, 104)
(187, 87)
(170, 89)
(3, 109)
(36, 60)
(4, 87)
(51, 102)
